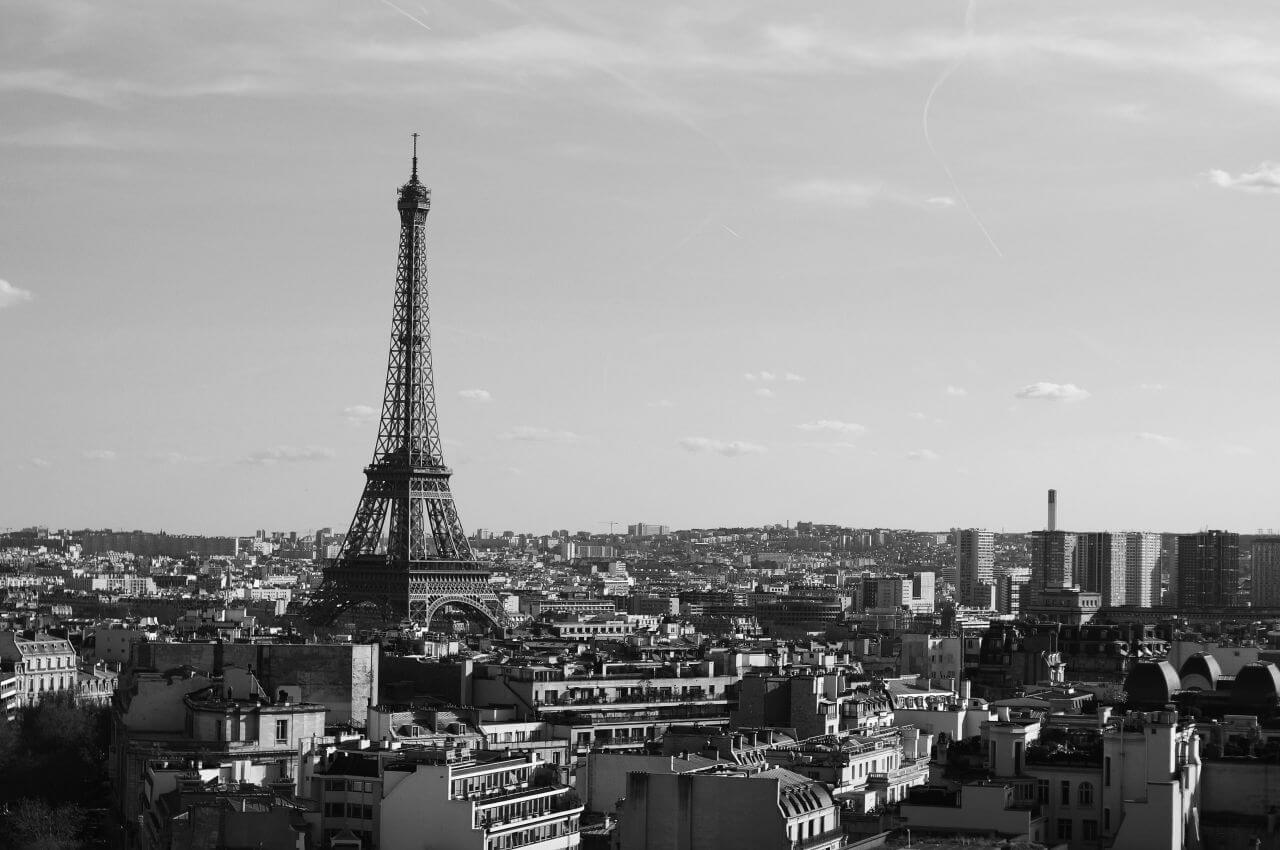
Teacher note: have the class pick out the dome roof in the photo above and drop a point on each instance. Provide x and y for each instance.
(1257, 682)
(1152, 683)
(1201, 671)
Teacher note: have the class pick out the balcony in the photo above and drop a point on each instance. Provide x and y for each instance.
(829, 837)
(560, 807)
(502, 796)
(632, 699)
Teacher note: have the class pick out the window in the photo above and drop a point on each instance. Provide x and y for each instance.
(1042, 790)
(1106, 772)
(1065, 796)
(282, 731)
(1089, 829)
(1064, 829)
(1106, 819)
(1086, 794)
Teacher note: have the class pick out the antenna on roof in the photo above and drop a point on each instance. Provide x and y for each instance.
(415, 158)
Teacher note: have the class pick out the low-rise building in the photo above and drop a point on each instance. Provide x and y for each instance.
(728, 807)
(41, 664)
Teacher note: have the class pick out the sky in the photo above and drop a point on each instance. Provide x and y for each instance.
(872, 263)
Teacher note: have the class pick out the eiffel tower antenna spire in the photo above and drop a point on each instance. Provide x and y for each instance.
(406, 553)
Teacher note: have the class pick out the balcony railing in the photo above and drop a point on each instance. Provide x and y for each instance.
(624, 699)
(817, 840)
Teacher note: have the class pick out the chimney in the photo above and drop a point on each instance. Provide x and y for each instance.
(1053, 510)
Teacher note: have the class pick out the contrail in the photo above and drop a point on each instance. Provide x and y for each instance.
(924, 120)
(417, 21)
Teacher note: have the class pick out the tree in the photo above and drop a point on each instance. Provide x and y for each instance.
(37, 825)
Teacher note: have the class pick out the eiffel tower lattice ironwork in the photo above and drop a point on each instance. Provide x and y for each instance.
(405, 552)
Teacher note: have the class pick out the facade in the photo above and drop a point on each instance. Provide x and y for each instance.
(1265, 590)
(470, 801)
(1101, 781)
(975, 564)
(186, 804)
(181, 715)
(1142, 569)
(718, 808)
(644, 529)
(1052, 559)
(1101, 565)
(1208, 570)
(41, 665)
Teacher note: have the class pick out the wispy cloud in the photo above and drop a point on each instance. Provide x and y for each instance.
(10, 294)
(1162, 440)
(855, 194)
(730, 448)
(662, 402)
(1048, 391)
(761, 376)
(103, 455)
(794, 378)
(833, 426)
(1233, 449)
(832, 447)
(1263, 180)
(289, 454)
(1152, 388)
(41, 463)
(358, 413)
(956, 391)
(918, 416)
(176, 458)
(922, 454)
(476, 395)
(764, 392)
(533, 434)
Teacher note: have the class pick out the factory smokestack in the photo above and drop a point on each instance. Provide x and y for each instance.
(1053, 510)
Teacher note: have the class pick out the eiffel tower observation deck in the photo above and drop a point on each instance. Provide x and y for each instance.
(405, 555)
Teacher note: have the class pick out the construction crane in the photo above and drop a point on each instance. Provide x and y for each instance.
(610, 523)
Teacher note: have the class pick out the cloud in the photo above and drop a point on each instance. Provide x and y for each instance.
(761, 376)
(476, 395)
(175, 458)
(105, 455)
(765, 392)
(10, 294)
(532, 434)
(1152, 388)
(733, 448)
(1225, 448)
(834, 447)
(834, 426)
(358, 413)
(918, 416)
(1262, 181)
(793, 378)
(1159, 439)
(289, 454)
(40, 463)
(922, 454)
(855, 194)
(1047, 391)
(956, 391)
(662, 402)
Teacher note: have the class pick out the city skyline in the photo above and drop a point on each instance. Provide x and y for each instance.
(878, 267)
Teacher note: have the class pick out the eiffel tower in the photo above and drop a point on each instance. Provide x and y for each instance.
(406, 554)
